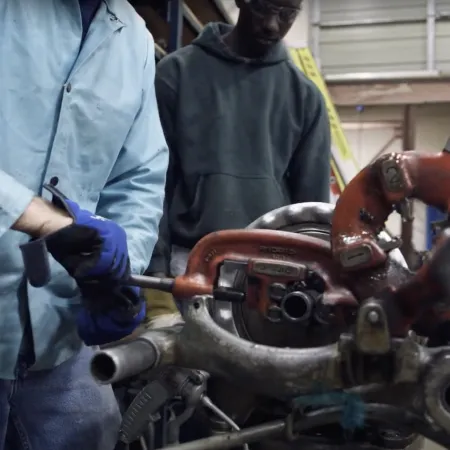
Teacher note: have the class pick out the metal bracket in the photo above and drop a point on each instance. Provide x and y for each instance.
(372, 332)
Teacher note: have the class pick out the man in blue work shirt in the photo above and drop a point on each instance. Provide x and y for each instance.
(78, 112)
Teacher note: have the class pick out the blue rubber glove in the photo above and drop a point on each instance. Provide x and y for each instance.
(93, 247)
(94, 252)
(97, 327)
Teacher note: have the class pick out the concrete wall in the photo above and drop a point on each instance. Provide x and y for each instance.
(432, 132)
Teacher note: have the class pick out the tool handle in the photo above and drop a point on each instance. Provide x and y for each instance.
(36, 262)
(38, 273)
(146, 282)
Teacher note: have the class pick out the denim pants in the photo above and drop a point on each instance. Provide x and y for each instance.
(58, 409)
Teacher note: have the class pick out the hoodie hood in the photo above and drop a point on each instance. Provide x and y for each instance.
(211, 39)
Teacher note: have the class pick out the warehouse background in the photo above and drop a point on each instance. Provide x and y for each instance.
(382, 40)
(368, 50)
(386, 64)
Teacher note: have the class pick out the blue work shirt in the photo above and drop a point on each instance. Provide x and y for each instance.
(87, 116)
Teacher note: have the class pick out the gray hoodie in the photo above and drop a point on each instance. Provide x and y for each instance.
(245, 137)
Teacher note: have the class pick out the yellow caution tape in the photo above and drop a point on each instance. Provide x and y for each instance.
(343, 159)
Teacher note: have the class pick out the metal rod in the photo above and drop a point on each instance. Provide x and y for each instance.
(175, 19)
(236, 438)
(159, 51)
(315, 14)
(145, 282)
(408, 143)
(370, 22)
(383, 76)
(380, 21)
(374, 125)
(207, 403)
(192, 19)
(382, 150)
(223, 11)
(111, 365)
(431, 35)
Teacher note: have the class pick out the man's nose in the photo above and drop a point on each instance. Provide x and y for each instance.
(271, 26)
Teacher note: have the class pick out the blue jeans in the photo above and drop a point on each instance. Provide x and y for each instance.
(58, 409)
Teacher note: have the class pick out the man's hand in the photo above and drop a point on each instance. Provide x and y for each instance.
(92, 247)
(94, 252)
(115, 310)
(42, 218)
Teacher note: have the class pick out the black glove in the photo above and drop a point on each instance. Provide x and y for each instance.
(92, 247)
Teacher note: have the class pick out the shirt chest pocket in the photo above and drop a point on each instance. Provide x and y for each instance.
(102, 112)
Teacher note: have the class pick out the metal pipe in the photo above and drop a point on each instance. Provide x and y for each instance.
(147, 351)
(408, 144)
(223, 11)
(192, 19)
(235, 438)
(276, 372)
(315, 14)
(329, 24)
(383, 76)
(375, 125)
(297, 307)
(159, 51)
(208, 403)
(385, 147)
(369, 22)
(175, 19)
(431, 35)
(111, 365)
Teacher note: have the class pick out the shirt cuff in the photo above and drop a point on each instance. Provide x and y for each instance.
(14, 200)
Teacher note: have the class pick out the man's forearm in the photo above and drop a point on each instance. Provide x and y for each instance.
(41, 218)
(22, 210)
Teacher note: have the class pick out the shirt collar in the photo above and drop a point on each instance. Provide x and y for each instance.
(117, 9)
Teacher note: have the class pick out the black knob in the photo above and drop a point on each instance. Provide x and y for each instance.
(277, 291)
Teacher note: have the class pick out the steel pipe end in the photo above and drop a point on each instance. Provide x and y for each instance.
(124, 360)
(297, 307)
(437, 391)
(104, 367)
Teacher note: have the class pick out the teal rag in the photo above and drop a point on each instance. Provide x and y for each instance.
(353, 408)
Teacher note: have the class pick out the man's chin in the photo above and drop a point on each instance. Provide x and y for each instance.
(264, 45)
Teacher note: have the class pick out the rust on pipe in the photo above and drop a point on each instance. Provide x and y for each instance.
(368, 200)
(414, 301)
(263, 251)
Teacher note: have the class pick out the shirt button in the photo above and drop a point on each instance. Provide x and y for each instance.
(54, 181)
(68, 87)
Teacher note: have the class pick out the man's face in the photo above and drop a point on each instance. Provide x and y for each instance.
(266, 22)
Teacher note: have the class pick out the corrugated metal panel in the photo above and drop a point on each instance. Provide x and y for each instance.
(332, 10)
(369, 47)
(380, 48)
(443, 45)
(443, 36)
(443, 6)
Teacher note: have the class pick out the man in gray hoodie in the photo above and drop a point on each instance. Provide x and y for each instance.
(247, 132)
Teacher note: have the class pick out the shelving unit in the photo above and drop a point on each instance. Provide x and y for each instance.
(174, 23)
